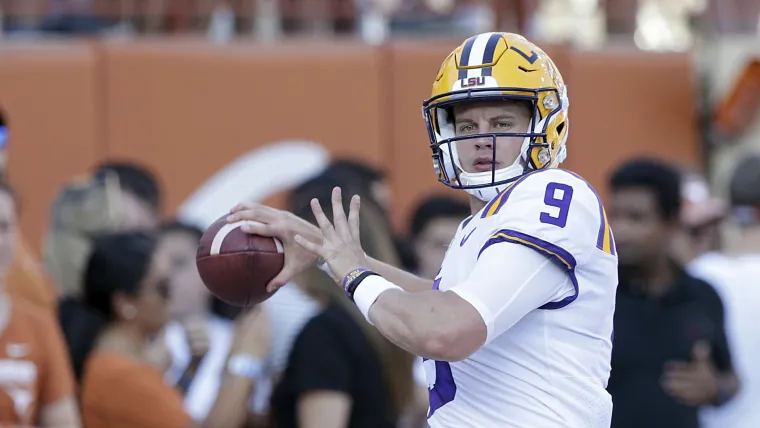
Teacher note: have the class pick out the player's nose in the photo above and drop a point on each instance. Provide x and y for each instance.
(484, 143)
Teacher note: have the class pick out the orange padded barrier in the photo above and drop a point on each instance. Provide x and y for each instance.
(187, 108)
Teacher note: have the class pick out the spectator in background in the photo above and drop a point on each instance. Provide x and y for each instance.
(114, 198)
(198, 341)
(434, 223)
(369, 180)
(118, 196)
(670, 355)
(374, 184)
(341, 372)
(140, 198)
(36, 383)
(84, 208)
(74, 17)
(734, 274)
(125, 301)
(291, 308)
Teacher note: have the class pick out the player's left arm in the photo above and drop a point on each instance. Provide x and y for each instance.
(508, 281)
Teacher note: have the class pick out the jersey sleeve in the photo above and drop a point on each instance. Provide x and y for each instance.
(502, 300)
(555, 213)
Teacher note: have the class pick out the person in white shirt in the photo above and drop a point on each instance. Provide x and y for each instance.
(516, 328)
(196, 338)
(734, 274)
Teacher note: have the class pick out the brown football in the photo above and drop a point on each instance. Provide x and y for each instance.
(237, 266)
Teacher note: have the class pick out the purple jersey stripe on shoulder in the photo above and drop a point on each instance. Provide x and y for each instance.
(554, 252)
(604, 239)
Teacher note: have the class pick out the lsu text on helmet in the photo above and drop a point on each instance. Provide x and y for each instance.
(497, 67)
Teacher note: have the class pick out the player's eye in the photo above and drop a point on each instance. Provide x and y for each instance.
(466, 128)
(503, 125)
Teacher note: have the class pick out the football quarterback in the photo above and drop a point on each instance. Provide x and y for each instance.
(516, 329)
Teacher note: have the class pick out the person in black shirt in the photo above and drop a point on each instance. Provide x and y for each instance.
(670, 353)
(334, 377)
(341, 372)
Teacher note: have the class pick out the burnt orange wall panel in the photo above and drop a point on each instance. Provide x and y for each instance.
(188, 108)
(625, 104)
(49, 95)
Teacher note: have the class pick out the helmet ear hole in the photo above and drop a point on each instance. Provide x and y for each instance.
(560, 128)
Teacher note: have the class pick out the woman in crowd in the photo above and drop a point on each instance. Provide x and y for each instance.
(198, 338)
(341, 372)
(124, 302)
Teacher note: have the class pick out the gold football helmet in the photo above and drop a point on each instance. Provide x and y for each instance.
(497, 67)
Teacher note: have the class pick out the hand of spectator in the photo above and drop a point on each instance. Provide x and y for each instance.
(268, 221)
(693, 383)
(196, 331)
(341, 248)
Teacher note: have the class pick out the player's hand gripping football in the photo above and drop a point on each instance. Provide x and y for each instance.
(268, 221)
(341, 248)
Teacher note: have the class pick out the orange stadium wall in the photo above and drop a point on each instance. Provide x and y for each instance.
(188, 108)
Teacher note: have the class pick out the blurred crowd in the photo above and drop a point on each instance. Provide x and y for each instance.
(657, 24)
(117, 329)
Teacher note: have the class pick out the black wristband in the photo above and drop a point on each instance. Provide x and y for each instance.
(351, 287)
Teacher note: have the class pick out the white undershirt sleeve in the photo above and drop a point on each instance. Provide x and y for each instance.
(509, 281)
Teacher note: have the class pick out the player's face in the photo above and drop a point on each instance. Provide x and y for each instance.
(476, 155)
(189, 296)
(641, 234)
(432, 243)
(7, 231)
(152, 303)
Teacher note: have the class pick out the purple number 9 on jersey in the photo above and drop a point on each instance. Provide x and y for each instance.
(561, 202)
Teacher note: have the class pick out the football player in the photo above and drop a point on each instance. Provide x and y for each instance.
(516, 328)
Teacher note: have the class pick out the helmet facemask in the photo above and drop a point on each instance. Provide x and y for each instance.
(535, 151)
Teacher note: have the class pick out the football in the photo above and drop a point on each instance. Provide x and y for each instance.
(236, 266)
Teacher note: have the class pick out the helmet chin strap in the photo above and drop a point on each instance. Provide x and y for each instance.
(485, 194)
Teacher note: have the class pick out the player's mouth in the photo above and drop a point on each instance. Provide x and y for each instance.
(485, 164)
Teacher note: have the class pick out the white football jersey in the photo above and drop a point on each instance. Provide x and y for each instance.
(549, 369)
